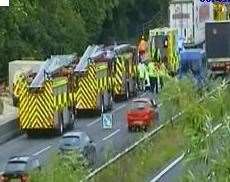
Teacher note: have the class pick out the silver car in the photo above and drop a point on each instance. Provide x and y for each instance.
(79, 141)
(19, 167)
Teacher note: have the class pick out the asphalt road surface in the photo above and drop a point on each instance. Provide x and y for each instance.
(108, 142)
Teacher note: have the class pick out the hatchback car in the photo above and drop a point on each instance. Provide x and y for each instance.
(78, 141)
(141, 113)
(19, 167)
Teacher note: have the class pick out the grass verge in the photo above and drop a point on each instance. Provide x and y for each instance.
(148, 158)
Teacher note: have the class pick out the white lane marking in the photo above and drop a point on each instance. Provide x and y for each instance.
(43, 150)
(115, 110)
(112, 134)
(170, 166)
(93, 122)
(120, 107)
(99, 119)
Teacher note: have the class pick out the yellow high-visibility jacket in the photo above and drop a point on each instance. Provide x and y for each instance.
(152, 69)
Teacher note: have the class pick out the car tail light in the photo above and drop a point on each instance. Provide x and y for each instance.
(3, 179)
(24, 178)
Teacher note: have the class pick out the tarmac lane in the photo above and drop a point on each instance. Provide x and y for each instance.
(114, 139)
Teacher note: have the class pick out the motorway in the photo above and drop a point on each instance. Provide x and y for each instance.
(108, 142)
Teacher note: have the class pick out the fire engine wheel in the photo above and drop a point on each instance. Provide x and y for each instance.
(72, 124)
(102, 106)
(110, 105)
(135, 89)
(127, 92)
(60, 129)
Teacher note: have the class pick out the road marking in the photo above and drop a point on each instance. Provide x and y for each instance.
(43, 150)
(115, 110)
(93, 122)
(99, 119)
(170, 166)
(112, 134)
(120, 107)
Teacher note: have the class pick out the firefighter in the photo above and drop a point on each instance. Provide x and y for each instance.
(142, 48)
(142, 75)
(153, 77)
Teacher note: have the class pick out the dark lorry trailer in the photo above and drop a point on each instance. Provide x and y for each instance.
(217, 35)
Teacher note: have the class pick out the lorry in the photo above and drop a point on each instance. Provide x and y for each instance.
(189, 17)
(217, 35)
(46, 101)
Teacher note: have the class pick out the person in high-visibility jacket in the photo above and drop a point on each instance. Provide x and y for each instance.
(153, 76)
(142, 47)
(147, 82)
(162, 73)
(142, 75)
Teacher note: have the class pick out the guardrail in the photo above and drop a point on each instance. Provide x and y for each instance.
(146, 136)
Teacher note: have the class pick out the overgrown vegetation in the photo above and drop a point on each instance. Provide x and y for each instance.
(70, 167)
(40, 28)
(210, 154)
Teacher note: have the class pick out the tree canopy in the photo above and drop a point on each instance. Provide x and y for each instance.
(39, 28)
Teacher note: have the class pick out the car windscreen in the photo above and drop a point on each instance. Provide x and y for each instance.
(138, 105)
(70, 140)
(16, 166)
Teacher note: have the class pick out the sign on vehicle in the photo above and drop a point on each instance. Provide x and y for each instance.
(107, 121)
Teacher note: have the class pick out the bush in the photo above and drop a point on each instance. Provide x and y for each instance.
(69, 167)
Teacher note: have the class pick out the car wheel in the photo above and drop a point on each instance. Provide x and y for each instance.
(72, 124)
(145, 128)
(130, 128)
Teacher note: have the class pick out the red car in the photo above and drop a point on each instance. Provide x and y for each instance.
(141, 114)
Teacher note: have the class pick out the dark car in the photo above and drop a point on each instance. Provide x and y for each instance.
(81, 142)
(19, 167)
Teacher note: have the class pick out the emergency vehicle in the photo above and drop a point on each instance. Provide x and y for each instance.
(46, 103)
(163, 48)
